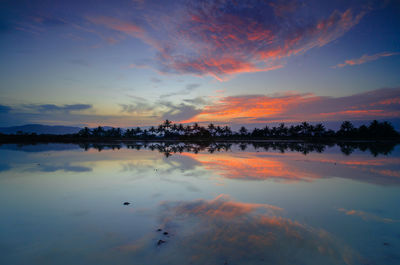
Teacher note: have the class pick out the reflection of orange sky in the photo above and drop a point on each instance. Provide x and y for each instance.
(250, 166)
(223, 207)
(203, 231)
(247, 165)
(295, 166)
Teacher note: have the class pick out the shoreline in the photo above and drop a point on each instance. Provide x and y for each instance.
(62, 139)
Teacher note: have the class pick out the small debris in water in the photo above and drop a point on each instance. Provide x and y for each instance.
(127, 203)
(165, 233)
(160, 242)
(386, 244)
(159, 229)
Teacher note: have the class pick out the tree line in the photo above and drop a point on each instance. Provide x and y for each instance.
(169, 130)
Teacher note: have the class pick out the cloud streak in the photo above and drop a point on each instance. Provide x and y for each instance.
(367, 216)
(59, 108)
(365, 58)
(188, 89)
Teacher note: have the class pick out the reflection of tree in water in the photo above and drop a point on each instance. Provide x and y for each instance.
(223, 231)
(376, 148)
(170, 148)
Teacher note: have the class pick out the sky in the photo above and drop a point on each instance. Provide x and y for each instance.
(135, 63)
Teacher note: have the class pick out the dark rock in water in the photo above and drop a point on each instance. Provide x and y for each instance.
(160, 242)
(127, 203)
(386, 244)
(165, 233)
(159, 229)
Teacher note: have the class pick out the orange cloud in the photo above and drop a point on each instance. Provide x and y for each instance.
(368, 216)
(249, 107)
(365, 58)
(375, 104)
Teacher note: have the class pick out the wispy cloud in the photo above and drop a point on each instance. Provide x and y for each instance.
(58, 108)
(365, 58)
(118, 25)
(180, 112)
(221, 39)
(186, 91)
(367, 216)
(137, 108)
(161, 109)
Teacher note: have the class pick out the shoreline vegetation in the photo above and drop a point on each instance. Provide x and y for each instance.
(168, 131)
(378, 138)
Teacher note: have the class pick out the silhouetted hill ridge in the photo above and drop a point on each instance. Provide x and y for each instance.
(40, 129)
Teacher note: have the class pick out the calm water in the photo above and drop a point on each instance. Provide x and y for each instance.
(237, 204)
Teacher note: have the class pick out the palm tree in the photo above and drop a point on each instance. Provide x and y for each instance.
(128, 133)
(305, 129)
(152, 130)
(196, 127)
(319, 130)
(181, 129)
(167, 124)
(219, 131)
(282, 130)
(346, 129)
(211, 129)
(138, 131)
(266, 131)
(348, 126)
(85, 132)
(243, 131)
(227, 131)
(99, 132)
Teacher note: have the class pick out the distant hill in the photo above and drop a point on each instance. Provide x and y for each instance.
(40, 129)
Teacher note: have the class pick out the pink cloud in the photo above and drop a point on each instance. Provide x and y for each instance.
(365, 58)
(221, 39)
(118, 25)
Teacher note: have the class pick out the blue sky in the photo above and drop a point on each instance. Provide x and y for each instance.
(136, 63)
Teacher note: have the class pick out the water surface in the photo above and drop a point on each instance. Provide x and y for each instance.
(270, 203)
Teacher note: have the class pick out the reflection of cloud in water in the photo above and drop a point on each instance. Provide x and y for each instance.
(367, 216)
(252, 166)
(295, 167)
(222, 230)
(64, 167)
(4, 167)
